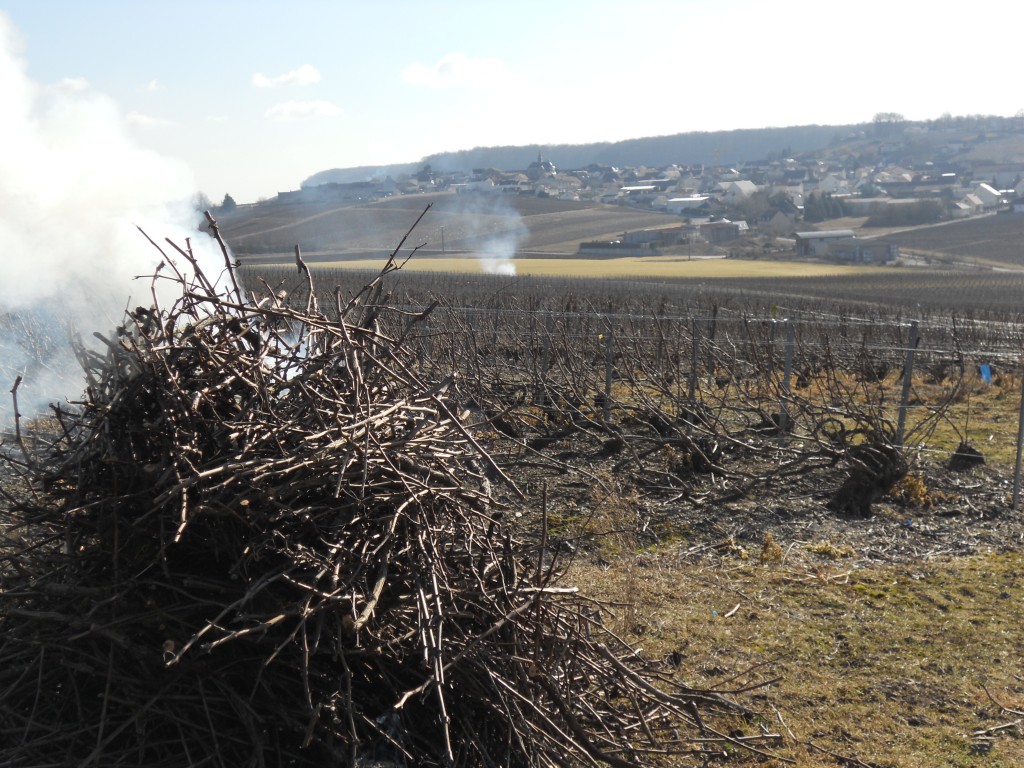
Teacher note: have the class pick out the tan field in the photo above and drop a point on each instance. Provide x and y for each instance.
(654, 266)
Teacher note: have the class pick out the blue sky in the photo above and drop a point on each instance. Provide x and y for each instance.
(255, 96)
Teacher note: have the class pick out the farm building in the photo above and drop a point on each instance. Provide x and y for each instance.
(991, 198)
(636, 194)
(817, 243)
(734, 192)
(716, 232)
(660, 236)
(678, 205)
(843, 246)
(859, 251)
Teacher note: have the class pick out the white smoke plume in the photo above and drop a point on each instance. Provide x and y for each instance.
(74, 191)
(495, 230)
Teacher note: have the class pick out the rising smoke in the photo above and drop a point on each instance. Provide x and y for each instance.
(74, 191)
(495, 230)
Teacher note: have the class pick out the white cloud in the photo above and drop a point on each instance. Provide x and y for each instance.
(153, 85)
(298, 110)
(74, 84)
(304, 75)
(146, 121)
(457, 70)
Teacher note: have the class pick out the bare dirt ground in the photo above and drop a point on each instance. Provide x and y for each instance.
(942, 514)
(968, 514)
(986, 240)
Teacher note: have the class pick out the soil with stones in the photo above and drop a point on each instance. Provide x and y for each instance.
(935, 512)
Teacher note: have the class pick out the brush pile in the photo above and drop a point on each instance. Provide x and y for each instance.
(262, 540)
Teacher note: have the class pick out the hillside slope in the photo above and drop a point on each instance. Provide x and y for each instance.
(716, 147)
(989, 241)
(454, 223)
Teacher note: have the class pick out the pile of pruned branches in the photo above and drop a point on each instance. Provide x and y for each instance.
(262, 539)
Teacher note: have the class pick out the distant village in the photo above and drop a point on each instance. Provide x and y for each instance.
(892, 176)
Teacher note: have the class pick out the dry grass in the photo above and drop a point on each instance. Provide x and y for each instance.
(854, 662)
(980, 414)
(891, 665)
(655, 266)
